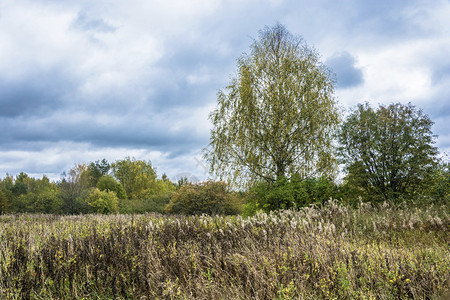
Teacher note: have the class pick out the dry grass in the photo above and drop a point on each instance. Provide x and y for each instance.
(332, 252)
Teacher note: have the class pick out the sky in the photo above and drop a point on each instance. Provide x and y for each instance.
(85, 80)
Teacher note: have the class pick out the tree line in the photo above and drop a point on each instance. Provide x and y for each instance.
(127, 185)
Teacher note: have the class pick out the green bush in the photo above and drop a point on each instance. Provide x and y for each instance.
(204, 198)
(48, 201)
(4, 202)
(108, 183)
(154, 203)
(103, 202)
(294, 193)
(438, 189)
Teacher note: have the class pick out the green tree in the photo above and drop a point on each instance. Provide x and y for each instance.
(74, 189)
(108, 183)
(278, 115)
(47, 201)
(98, 169)
(388, 153)
(103, 202)
(44, 197)
(22, 184)
(136, 176)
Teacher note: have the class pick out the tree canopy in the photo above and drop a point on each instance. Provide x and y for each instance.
(388, 152)
(277, 116)
(136, 176)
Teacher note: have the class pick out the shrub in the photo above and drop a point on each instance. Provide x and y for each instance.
(204, 198)
(439, 189)
(154, 203)
(294, 193)
(108, 183)
(4, 202)
(48, 201)
(103, 202)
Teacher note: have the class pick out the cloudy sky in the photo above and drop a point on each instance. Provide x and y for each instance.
(85, 80)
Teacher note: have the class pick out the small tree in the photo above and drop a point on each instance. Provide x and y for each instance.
(103, 202)
(388, 152)
(109, 184)
(278, 115)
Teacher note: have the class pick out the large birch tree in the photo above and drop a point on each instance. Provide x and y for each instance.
(277, 116)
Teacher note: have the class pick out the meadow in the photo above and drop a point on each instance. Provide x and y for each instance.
(331, 252)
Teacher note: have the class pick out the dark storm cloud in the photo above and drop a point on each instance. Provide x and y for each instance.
(348, 75)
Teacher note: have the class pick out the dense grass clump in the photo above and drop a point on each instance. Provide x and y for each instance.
(333, 252)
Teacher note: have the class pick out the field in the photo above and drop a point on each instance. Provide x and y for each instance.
(333, 252)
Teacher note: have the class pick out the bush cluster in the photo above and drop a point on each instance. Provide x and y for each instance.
(293, 193)
(212, 198)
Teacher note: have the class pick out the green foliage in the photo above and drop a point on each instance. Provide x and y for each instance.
(204, 198)
(108, 183)
(294, 193)
(45, 197)
(73, 193)
(6, 195)
(28, 194)
(98, 169)
(182, 181)
(277, 117)
(21, 184)
(152, 203)
(136, 176)
(438, 189)
(4, 201)
(47, 201)
(103, 202)
(162, 187)
(154, 199)
(388, 153)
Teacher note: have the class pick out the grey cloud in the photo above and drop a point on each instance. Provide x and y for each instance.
(348, 75)
(34, 94)
(187, 79)
(139, 133)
